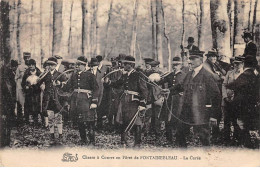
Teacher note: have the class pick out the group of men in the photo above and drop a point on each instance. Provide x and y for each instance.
(195, 97)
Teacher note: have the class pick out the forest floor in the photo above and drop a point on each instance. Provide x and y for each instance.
(39, 138)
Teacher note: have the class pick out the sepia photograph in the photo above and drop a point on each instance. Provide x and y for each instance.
(130, 83)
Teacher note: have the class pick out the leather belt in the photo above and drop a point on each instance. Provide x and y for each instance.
(82, 91)
(131, 92)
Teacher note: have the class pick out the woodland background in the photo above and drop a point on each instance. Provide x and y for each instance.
(142, 28)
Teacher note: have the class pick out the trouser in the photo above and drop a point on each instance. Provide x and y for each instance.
(155, 120)
(5, 132)
(202, 131)
(55, 119)
(90, 126)
(169, 127)
(230, 117)
(137, 134)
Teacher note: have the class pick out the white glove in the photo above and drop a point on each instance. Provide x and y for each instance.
(140, 108)
(93, 106)
(149, 106)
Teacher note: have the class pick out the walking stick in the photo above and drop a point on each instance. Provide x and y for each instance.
(131, 124)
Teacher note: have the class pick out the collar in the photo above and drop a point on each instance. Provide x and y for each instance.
(131, 71)
(52, 72)
(100, 66)
(197, 69)
(178, 72)
(249, 42)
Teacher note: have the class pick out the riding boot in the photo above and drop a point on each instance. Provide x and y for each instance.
(138, 136)
(91, 135)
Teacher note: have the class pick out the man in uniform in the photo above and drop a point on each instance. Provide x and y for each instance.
(230, 105)
(84, 100)
(200, 103)
(19, 90)
(246, 96)
(170, 108)
(133, 100)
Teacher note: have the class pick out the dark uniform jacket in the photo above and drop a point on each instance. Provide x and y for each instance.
(50, 95)
(173, 100)
(81, 101)
(246, 96)
(201, 98)
(129, 103)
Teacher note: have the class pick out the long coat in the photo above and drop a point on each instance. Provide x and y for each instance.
(129, 103)
(199, 93)
(246, 90)
(18, 78)
(80, 102)
(32, 95)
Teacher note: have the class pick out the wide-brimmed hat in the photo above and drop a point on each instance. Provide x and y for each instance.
(26, 55)
(247, 34)
(99, 58)
(52, 61)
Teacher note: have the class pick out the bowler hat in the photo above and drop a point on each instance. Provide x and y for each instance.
(191, 39)
(93, 62)
(31, 62)
(99, 58)
(14, 63)
(247, 34)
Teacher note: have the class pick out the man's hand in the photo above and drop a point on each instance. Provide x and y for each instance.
(213, 121)
(149, 106)
(57, 83)
(106, 80)
(140, 108)
(3, 117)
(93, 106)
(42, 87)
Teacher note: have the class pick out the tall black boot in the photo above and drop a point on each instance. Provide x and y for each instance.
(169, 132)
(91, 135)
(82, 132)
(138, 136)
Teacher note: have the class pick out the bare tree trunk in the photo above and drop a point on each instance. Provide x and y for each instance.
(84, 6)
(183, 23)
(32, 27)
(254, 16)
(238, 28)
(231, 23)
(158, 32)
(167, 40)
(220, 27)
(18, 30)
(107, 28)
(13, 29)
(41, 43)
(133, 40)
(97, 31)
(5, 33)
(154, 54)
(202, 26)
(249, 16)
(70, 36)
(57, 26)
